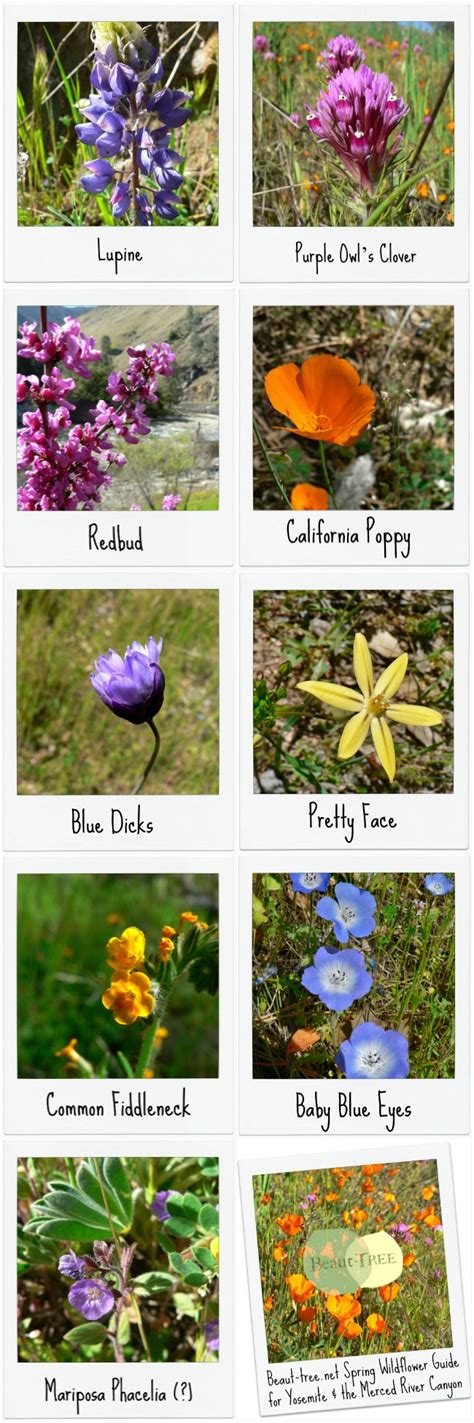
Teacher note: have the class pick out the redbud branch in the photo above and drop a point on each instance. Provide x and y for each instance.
(152, 760)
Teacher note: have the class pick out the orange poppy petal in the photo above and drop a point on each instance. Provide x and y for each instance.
(309, 496)
(354, 416)
(327, 383)
(285, 394)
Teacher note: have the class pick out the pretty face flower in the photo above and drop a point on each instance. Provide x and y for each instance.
(324, 399)
(71, 1265)
(357, 116)
(351, 912)
(309, 882)
(309, 496)
(372, 707)
(438, 884)
(342, 53)
(129, 997)
(128, 952)
(337, 979)
(300, 1288)
(372, 1051)
(132, 686)
(92, 1298)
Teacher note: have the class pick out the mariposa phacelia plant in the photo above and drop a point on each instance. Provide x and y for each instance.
(142, 981)
(67, 464)
(101, 1208)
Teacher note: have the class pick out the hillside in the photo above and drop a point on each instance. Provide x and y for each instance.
(193, 333)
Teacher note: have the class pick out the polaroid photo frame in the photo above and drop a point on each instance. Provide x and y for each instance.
(128, 1390)
(358, 1381)
(111, 254)
(170, 1105)
(323, 254)
(134, 539)
(324, 1107)
(359, 822)
(131, 822)
(382, 537)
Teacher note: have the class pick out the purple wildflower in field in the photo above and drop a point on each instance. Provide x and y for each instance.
(351, 912)
(337, 978)
(357, 116)
(417, 49)
(438, 884)
(295, 119)
(159, 1205)
(372, 1051)
(261, 43)
(171, 501)
(342, 53)
(92, 1298)
(132, 686)
(309, 882)
(211, 1331)
(127, 119)
(71, 1265)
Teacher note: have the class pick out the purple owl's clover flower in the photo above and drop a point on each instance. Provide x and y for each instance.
(92, 1298)
(133, 688)
(357, 115)
(128, 119)
(342, 53)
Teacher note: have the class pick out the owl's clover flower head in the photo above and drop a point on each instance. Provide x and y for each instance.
(358, 115)
(342, 53)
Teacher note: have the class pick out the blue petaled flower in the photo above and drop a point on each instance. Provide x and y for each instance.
(132, 686)
(71, 1265)
(309, 883)
(438, 884)
(211, 1331)
(337, 978)
(372, 1051)
(351, 912)
(92, 1298)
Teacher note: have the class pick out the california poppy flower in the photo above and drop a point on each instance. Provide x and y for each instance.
(306, 1314)
(324, 398)
(389, 1292)
(279, 1253)
(309, 496)
(300, 1288)
(376, 1324)
(409, 1259)
(290, 1224)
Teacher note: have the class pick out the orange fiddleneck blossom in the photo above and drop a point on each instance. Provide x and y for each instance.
(309, 496)
(148, 1072)
(188, 918)
(160, 1035)
(324, 399)
(376, 1324)
(300, 1288)
(168, 932)
(128, 951)
(290, 1224)
(389, 1292)
(422, 190)
(129, 997)
(279, 1254)
(372, 706)
(165, 948)
(114, 918)
(74, 1059)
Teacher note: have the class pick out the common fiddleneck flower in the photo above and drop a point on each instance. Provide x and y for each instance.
(372, 706)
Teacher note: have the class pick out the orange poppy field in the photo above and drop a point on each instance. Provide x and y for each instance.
(353, 407)
(353, 123)
(409, 1312)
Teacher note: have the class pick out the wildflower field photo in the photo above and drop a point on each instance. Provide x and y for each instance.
(353, 124)
(323, 1225)
(117, 124)
(353, 691)
(118, 1260)
(118, 691)
(118, 408)
(353, 975)
(118, 976)
(367, 399)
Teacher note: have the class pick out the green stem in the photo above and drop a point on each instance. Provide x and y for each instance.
(269, 465)
(141, 1329)
(146, 1050)
(70, 1170)
(310, 922)
(399, 192)
(326, 473)
(113, 1231)
(152, 760)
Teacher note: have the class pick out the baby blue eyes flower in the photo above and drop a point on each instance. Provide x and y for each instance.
(438, 884)
(337, 978)
(372, 1051)
(309, 883)
(351, 912)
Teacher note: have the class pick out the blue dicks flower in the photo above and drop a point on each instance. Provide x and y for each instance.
(309, 883)
(372, 1051)
(337, 978)
(351, 912)
(438, 884)
(92, 1298)
(71, 1265)
(132, 686)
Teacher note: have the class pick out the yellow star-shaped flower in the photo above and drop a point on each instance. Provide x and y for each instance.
(372, 707)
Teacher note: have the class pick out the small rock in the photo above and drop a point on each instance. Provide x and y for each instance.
(351, 488)
(385, 645)
(269, 784)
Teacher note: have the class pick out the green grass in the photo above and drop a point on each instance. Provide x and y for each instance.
(309, 636)
(419, 1316)
(69, 743)
(410, 955)
(299, 181)
(64, 923)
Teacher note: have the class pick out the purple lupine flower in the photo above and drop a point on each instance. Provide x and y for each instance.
(132, 686)
(357, 115)
(92, 1298)
(71, 1265)
(129, 117)
(171, 501)
(159, 1205)
(337, 978)
(372, 1051)
(211, 1331)
(342, 53)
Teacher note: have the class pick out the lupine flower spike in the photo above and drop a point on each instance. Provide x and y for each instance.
(372, 706)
